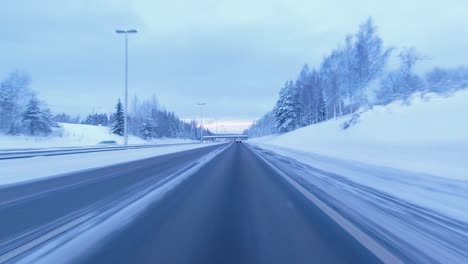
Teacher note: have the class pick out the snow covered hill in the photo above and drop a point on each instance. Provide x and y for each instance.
(426, 134)
(71, 135)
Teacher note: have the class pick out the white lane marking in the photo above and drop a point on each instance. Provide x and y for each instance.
(373, 246)
(23, 248)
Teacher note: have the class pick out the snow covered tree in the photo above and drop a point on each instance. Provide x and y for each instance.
(403, 82)
(262, 127)
(285, 110)
(118, 126)
(370, 57)
(96, 120)
(302, 98)
(442, 80)
(412, 82)
(321, 109)
(37, 120)
(32, 117)
(147, 128)
(345, 79)
(65, 118)
(48, 117)
(349, 72)
(318, 103)
(13, 93)
(331, 83)
(148, 119)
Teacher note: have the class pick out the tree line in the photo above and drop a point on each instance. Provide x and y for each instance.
(353, 76)
(22, 113)
(148, 120)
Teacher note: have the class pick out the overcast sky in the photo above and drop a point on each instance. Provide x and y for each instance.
(233, 55)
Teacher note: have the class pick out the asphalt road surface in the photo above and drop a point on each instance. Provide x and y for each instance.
(235, 209)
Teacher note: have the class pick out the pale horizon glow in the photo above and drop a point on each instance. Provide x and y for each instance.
(226, 127)
(233, 55)
(223, 126)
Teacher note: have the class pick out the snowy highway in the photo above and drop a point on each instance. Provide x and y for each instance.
(233, 209)
(234, 132)
(225, 203)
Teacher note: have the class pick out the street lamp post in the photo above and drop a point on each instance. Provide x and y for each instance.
(126, 32)
(201, 121)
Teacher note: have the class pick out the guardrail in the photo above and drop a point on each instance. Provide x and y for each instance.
(17, 154)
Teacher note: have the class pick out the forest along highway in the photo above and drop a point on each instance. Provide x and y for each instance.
(234, 208)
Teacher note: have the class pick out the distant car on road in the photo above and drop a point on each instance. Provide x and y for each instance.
(108, 142)
(238, 140)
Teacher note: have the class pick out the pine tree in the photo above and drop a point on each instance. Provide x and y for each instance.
(146, 130)
(301, 91)
(321, 107)
(149, 126)
(118, 126)
(37, 121)
(63, 118)
(48, 118)
(13, 90)
(286, 109)
(96, 120)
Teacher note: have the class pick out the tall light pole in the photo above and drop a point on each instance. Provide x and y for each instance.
(126, 32)
(201, 121)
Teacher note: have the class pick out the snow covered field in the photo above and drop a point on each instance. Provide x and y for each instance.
(74, 135)
(25, 169)
(429, 135)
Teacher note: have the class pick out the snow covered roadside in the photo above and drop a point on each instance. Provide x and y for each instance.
(420, 218)
(26, 169)
(401, 172)
(427, 135)
(447, 196)
(416, 151)
(77, 135)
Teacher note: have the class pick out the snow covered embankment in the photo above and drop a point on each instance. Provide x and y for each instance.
(427, 135)
(401, 172)
(76, 135)
(416, 151)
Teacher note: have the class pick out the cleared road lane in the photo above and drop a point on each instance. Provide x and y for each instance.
(236, 209)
